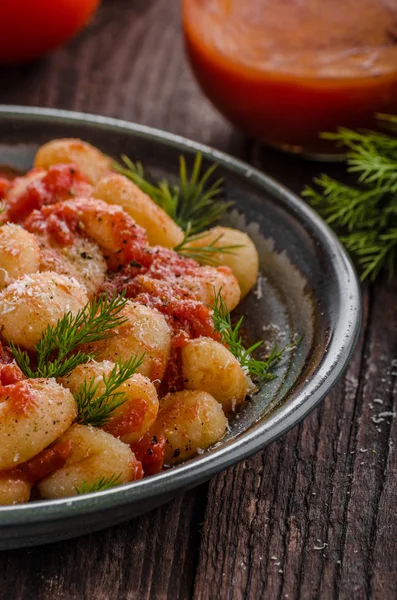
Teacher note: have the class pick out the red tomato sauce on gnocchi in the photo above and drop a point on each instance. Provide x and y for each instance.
(150, 451)
(45, 463)
(103, 398)
(39, 188)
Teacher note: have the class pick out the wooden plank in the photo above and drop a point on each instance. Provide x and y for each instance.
(317, 516)
(278, 537)
(369, 553)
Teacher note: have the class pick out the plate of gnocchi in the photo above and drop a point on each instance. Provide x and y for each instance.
(165, 311)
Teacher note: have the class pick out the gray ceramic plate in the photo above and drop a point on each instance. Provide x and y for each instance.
(307, 288)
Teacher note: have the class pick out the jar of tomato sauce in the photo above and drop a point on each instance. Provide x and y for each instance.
(284, 71)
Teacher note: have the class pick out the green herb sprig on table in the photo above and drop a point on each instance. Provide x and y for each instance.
(54, 356)
(193, 203)
(260, 370)
(104, 483)
(367, 212)
(95, 408)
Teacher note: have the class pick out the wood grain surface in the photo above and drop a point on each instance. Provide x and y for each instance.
(313, 516)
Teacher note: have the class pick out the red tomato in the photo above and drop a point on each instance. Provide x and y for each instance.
(31, 28)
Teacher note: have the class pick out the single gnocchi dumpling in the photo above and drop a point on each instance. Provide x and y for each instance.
(30, 304)
(95, 455)
(160, 228)
(243, 260)
(13, 489)
(19, 253)
(191, 421)
(90, 161)
(133, 418)
(33, 414)
(208, 282)
(207, 365)
(82, 260)
(145, 331)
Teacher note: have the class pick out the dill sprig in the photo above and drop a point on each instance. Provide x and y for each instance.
(260, 370)
(95, 406)
(365, 213)
(193, 203)
(102, 484)
(54, 357)
(206, 254)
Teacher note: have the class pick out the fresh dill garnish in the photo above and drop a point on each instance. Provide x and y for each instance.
(259, 370)
(53, 352)
(203, 254)
(97, 400)
(193, 203)
(102, 484)
(367, 212)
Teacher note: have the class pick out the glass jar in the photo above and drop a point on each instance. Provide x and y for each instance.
(283, 71)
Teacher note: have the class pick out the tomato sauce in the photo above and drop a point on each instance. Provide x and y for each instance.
(186, 317)
(7, 175)
(63, 221)
(60, 222)
(157, 286)
(173, 378)
(42, 465)
(9, 371)
(20, 397)
(59, 183)
(149, 450)
(130, 420)
(132, 241)
(47, 462)
(285, 71)
(12, 383)
(5, 185)
(10, 374)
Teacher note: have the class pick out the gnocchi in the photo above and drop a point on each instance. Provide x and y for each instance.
(95, 454)
(242, 260)
(82, 261)
(87, 158)
(19, 253)
(208, 282)
(207, 365)
(79, 239)
(191, 421)
(132, 419)
(160, 228)
(13, 490)
(145, 331)
(33, 302)
(33, 414)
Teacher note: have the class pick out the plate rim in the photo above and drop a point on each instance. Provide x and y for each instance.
(262, 433)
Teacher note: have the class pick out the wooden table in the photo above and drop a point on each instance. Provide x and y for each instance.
(314, 514)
